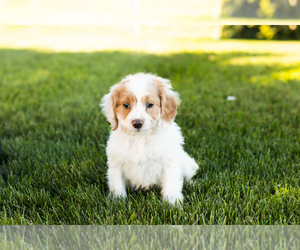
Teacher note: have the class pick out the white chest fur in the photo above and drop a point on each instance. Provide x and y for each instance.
(143, 157)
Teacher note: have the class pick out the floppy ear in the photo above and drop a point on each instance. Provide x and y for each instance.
(169, 99)
(108, 105)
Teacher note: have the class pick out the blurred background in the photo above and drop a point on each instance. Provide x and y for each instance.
(145, 25)
(233, 64)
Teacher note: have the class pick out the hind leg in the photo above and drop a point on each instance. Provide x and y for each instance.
(188, 166)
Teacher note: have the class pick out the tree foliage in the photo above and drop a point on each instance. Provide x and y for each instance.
(267, 32)
(279, 9)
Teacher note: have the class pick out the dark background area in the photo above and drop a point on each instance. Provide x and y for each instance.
(263, 32)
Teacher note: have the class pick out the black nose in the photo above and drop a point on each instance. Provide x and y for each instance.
(137, 123)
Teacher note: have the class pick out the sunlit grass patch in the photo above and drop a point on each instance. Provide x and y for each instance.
(289, 75)
(265, 59)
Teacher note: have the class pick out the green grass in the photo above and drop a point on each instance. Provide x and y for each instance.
(53, 134)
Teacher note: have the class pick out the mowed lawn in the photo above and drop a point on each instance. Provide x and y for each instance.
(53, 136)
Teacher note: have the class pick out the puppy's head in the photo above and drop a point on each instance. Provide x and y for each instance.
(139, 102)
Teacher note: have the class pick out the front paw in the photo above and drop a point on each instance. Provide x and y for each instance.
(118, 194)
(173, 199)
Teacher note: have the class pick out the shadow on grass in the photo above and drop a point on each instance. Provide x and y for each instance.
(3, 160)
(52, 126)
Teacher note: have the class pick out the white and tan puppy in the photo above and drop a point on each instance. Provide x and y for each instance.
(145, 144)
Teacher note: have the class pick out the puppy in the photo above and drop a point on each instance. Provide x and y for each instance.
(145, 144)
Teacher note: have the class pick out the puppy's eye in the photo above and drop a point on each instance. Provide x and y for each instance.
(126, 105)
(149, 105)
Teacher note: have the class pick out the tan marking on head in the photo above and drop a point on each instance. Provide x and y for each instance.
(169, 100)
(125, 97)
(153, 98)
(120, 95)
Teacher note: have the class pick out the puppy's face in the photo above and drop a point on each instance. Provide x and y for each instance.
(139, 102)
